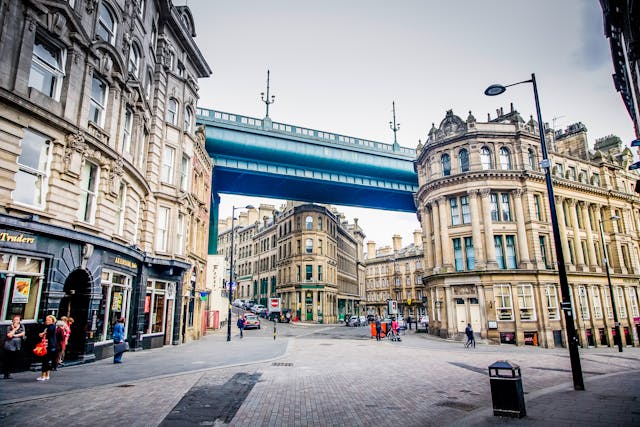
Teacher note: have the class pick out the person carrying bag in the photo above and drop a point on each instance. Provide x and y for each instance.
(12, 346)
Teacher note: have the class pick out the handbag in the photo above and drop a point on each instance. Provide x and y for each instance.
(121, 347)
(41, 348)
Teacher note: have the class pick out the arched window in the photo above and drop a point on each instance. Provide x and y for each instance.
(445, 162)
(188, 119)
(505, 158)
(309, 246)
(309, 222)
(532, 159)
(134, 60)
(463, 157)
(172, 111)
(106, 28)
(485, 158)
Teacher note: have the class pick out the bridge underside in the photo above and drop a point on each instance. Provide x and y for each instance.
(261, 184)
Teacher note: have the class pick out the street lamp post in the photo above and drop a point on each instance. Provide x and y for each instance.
(233, 232)
(576, 369)
(606, 265)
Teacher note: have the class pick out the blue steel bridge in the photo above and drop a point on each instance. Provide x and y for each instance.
(259, 157)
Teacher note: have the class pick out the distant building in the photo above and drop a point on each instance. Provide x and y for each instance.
(104, 181)
(488, 243)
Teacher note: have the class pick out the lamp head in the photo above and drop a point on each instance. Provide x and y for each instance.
(494, 90)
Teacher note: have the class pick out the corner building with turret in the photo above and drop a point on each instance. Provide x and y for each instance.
(489, 255)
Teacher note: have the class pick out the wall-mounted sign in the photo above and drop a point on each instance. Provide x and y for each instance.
(15, 237)
(125, 262)
(493, 324)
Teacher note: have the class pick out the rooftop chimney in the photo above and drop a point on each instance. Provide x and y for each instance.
(397, 242)
(371, 249)
(417, 238)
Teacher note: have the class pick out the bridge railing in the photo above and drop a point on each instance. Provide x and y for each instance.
(220, 116)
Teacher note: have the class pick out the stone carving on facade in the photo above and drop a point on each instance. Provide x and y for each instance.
(91, 5)
(464, 290)
(115, 175)
(56, 23)
(73, 154)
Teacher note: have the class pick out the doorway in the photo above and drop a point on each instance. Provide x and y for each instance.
(75, 304)
(461, 314)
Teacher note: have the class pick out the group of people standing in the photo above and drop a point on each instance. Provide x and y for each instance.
(393, 327)
(56, 333)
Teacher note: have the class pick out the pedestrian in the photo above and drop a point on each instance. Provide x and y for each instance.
(12, 346)
(394, 326)
(66, 329)
(118, 338)
(471, 341)
(241, 324)
(60, 341)
(378, 328)
(49, 360)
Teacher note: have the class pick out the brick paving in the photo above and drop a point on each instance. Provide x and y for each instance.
(318, 380)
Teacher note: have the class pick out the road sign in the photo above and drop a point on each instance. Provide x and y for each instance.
(393, 306)
(274, 304)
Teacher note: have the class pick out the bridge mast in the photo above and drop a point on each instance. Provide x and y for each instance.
(266, 100)
(395, 128)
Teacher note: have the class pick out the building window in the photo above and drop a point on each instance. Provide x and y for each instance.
(134, 61)
(620, 305)
(504, 307)
(595, 180)
(445, 162)
(572, 173)
(455, 213)
(33, 170)
(121, 206)
(543, 251)
(98, 101)
(319, 273)
(309, 246)
(584, 304)
(308, 272)
(126, 131)
(500, 207)
(184, 174)
(172, 112)
(597, 303)
(532, 159)
(505, 158)
(308, 223)
(457, 255)
(167, 164)
(463, 158)
(319, 223)
(47, 67)
(552, 302)
(162, 234)
(188, 120)
(180, 235)
(525, 302)
(136, 221)
(466, 212)
(633, 302)
(116, 299)
(538, 206)
(625, 256)
(155, 305)
(485, 158)
(88, 192)
(20, 285)
(470, 253)
(106, 28)
(505, 252)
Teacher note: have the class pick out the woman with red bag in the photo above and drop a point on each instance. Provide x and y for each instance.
(49, 359)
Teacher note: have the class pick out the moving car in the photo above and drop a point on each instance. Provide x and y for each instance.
(251, 321)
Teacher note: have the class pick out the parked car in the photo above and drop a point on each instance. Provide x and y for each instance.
(248, 304)
(362, 321)
(251, 321)
(239, 302)
(258, 308)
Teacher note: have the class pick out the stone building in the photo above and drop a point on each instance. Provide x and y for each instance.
(104, 183)
(395, 273)
(488, 241)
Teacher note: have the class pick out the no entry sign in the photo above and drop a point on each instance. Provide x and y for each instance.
(274, 304)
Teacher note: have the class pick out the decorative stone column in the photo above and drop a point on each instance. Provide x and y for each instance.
(523, 246)
(592, 264)
(476, 232)
(563, 231)
(577, 243)
(490, 248)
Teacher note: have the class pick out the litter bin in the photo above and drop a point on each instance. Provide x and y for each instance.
(506, 389)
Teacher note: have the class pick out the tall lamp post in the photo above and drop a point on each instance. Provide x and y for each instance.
(233, 232)
(576, 369)
(606, 265)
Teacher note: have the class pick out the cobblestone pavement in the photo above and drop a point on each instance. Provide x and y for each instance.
(325, 376)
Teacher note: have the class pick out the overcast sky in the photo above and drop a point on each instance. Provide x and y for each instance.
(337, 66)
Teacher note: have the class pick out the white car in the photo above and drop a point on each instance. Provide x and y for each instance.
(258, 308)
(238, 303)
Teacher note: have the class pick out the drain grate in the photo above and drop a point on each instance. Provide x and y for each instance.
(282, 364)
(125, 385)
(456, 405)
